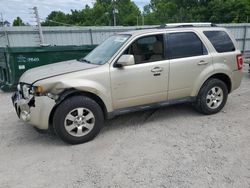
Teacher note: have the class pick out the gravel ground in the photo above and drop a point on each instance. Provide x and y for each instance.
(169, 147)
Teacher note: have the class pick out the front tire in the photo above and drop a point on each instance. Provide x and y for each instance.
(78, 119)
(212, 97)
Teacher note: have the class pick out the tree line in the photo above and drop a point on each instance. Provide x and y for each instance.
(127, 13)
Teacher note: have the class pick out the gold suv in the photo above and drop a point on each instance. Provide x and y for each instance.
(131, 71)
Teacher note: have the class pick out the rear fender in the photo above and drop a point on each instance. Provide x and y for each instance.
(205, 76)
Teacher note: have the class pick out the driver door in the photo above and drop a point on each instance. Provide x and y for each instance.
(144, 82)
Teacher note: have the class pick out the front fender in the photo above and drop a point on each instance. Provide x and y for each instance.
(85, 85)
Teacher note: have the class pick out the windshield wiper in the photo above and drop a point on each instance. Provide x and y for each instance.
(84, 60)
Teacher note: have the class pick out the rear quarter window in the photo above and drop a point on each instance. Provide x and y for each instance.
(220, 40)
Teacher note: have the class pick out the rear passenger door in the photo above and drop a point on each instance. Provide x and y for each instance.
(189, 58)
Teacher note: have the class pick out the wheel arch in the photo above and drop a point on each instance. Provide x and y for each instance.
(225, 78)
(74, 92)
(221, 76)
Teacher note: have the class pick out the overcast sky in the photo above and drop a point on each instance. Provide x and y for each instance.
(13, 8)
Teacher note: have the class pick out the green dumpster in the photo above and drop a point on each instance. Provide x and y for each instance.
(14, 61)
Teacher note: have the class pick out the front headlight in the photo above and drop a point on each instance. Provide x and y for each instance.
(28, 91)
(38, 89)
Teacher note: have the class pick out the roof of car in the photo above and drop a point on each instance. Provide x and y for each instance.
(162, 30)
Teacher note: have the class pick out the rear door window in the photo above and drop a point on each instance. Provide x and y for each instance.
(220, 40)
(184, 44)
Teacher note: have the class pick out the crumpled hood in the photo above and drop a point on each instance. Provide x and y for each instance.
(47, 71)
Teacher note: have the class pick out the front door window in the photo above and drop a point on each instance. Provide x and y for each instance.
(147, 49)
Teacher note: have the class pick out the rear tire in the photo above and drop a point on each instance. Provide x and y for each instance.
(78, 119)
(212, 97)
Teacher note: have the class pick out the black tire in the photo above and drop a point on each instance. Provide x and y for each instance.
(66, 107)
(201, 100)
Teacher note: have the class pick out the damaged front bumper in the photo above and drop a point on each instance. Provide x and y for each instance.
(35, 111)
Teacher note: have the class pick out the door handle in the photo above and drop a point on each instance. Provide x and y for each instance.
(157, 69)
(202, 62)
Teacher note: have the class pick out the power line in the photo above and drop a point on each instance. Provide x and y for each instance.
(61, 23)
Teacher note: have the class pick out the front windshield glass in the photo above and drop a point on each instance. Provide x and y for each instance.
(102, 53)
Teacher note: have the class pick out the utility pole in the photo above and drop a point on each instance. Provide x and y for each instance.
(114, 18)
(143, 18)
(39, 25)
(2, 24)
(5, 32)
(114, 12)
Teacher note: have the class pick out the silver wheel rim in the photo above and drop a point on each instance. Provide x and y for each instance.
(214, 97)
(79, 122)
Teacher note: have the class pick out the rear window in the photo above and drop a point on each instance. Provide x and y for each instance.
(184, 44)
(220, 40)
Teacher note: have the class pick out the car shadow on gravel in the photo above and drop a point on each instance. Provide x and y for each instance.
(48, 139)
(153, 115)
(31, 135)
(28, 135)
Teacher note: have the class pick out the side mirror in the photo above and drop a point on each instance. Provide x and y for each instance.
(125, 60)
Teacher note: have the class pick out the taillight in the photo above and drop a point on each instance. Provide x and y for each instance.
(239, 61)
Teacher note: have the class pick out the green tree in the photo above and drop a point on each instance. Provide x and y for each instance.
(18, 22)
(101, 14)
(156, 12)
(128, 13)
(229, 11)
(217, 11)
(56, 18)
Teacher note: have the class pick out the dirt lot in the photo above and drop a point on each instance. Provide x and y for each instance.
(169, 147)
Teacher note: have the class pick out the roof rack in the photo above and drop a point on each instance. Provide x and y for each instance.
(195, 24)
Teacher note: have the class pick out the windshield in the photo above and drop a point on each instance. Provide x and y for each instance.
(102, 53)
